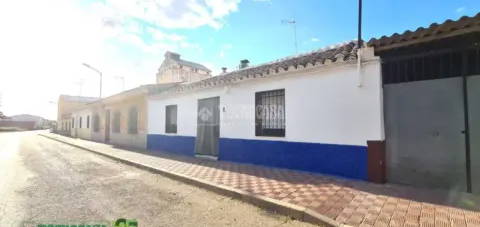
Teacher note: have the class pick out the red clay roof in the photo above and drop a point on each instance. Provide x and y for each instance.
(435, 31)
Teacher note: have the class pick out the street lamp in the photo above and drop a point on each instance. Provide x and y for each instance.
(99, 73)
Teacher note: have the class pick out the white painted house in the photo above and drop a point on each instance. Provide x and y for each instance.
(312, 112)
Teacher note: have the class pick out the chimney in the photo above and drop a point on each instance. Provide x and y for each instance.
(244, 63)
(172, 55)
(224, 69)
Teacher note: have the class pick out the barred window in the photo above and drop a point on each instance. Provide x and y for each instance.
(133, 120)
(171, 119)
(270, 113)
(88, 121)
(116, 122)
(96, 123)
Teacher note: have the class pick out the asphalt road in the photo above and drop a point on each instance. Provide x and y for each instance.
(44, 181)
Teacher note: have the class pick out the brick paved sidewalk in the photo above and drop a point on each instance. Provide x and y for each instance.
(349, 202)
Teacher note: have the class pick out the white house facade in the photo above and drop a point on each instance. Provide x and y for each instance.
(401, 109)
(313, 112)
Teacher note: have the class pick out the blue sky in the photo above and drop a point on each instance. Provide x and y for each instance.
(43, 45)
(254, 30)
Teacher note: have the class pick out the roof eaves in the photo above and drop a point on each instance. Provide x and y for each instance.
(345, 52)
(435, 31)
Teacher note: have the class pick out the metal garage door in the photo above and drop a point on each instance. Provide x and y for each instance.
(473, 85)
(425, 137)
(432, 118)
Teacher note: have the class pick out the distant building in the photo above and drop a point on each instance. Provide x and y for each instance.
(39, 121)
(66, 105)
(25, 122)
(119, 119)
(176, 70)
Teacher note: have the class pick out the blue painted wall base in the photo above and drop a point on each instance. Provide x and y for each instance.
(182, 145)
(342, 160)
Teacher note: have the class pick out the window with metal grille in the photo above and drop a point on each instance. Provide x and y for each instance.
(133, 120)
(88, 121)
(171, 119)
(96, 123)
(270, 113)
(116, 122)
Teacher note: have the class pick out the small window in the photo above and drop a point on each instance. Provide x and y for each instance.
(96, 123)
(80, 122)
(73, 122)
(116, 122)
(88, 121)
(270, 113)
(133, 120)
(171, 119)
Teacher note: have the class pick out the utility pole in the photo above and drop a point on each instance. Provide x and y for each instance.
(99, 73)
(293, 22)
(359, 38)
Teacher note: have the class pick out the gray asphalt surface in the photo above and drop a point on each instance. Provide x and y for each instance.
(46, 181)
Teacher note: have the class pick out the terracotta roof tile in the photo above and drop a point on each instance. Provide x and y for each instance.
(463, 25)
(339, 53)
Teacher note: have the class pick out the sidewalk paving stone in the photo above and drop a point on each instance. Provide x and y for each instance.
(350, 202)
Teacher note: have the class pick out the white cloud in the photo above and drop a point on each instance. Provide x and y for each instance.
(460, 9)
(176, 14)
(159, 35)
(42, 47)
(224, 49)
(314, 39)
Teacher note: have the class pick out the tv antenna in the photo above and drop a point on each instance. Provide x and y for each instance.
(293, 23)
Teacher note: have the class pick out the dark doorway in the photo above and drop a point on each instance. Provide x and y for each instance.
(208, 127)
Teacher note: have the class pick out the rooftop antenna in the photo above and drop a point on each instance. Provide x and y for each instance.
(293, 22)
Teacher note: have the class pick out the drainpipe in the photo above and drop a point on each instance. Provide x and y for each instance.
(360, 45)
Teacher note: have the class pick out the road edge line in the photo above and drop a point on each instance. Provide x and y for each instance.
(281, 207)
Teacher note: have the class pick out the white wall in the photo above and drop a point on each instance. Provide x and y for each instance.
(321, 106)
(83, 132)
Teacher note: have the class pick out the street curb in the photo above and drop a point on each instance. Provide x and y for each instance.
(297, 212)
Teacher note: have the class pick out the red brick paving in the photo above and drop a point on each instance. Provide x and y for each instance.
(350, 202)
